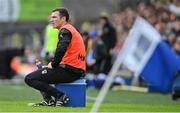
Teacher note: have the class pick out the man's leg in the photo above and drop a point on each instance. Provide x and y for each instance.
(45, 96)
(41, 79)
(34, 80)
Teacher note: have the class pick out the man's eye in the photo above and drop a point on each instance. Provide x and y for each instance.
(54, 17)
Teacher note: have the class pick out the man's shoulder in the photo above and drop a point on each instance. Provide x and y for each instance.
(69, 27)
(64, 30)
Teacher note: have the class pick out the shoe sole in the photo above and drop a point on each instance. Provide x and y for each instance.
(34, 105)
(30, 104)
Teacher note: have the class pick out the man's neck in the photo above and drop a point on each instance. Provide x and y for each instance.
(64, 24)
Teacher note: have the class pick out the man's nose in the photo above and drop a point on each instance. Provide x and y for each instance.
(51, 19)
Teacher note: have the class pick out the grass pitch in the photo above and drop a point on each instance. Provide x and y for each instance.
(15, 99)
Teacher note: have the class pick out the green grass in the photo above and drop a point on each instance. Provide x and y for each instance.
(15, 99)
(33, 10)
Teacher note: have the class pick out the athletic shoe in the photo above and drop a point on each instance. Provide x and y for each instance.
(45, 103)
(62, 100)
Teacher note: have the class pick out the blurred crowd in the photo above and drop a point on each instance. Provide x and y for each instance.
(104, 38)
(164, 16)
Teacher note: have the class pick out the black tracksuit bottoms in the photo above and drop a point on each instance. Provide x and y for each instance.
(43, 78)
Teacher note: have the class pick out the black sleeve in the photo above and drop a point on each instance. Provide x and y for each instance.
(113, 37)
(100, 52)
(64, 38)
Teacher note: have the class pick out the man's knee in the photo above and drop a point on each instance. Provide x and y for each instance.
(28, 79)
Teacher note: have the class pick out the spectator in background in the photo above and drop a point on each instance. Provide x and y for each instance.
(108, 37)
(176, 27)
(170, 39)
(174, 7)
(50, 43)
(87, 41)
(177, 46)
(97, 55)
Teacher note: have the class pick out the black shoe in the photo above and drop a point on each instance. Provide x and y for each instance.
(62, 100)
(45, 103)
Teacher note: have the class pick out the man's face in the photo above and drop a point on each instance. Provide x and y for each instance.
(102, 22)
(177, 44)
(56, 20)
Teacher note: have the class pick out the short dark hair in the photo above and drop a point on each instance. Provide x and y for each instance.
(105, 18)
(62, 12)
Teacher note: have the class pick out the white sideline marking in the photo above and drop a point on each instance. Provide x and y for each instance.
(91, 98)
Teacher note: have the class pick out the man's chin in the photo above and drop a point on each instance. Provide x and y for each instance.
(55, 27)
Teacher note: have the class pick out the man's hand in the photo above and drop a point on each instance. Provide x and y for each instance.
(92, 62)
(49, 65)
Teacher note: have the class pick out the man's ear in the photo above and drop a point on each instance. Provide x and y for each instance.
(63, 18)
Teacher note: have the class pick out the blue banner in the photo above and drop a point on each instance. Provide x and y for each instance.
(160, 70)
